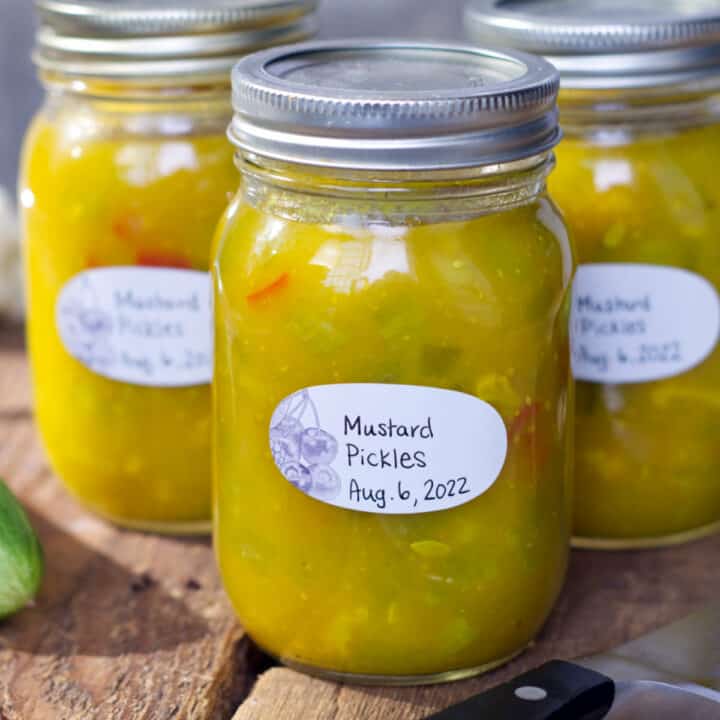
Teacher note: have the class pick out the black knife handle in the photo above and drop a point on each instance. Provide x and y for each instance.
(555, 691)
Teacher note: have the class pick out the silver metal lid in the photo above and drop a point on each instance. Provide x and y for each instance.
(605, 44)
(394, 105)
(152, 40)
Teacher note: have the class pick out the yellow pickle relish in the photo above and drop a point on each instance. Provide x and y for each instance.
(637, 182)
(392, 393)
(126, 170)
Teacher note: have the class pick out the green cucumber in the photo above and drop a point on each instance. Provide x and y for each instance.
(21, 557)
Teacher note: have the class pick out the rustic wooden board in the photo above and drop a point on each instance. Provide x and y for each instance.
(122, 631)
(128, 626)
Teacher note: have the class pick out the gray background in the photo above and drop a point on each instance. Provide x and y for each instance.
(20, 94)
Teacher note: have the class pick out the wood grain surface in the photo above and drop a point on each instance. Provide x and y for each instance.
(135, 627)
(127, 626)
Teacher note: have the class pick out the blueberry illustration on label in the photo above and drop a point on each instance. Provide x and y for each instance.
(298, 475)
(301, 449)
(318, 446)
(282, 411)
(86, 328)
(285, 440)
(325, 482)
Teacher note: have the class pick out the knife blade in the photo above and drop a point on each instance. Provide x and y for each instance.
(654, 701)
(686, 652)
(675, 667)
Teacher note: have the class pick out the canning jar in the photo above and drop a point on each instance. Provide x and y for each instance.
(392, 395)
(636, 179)
(126, 170)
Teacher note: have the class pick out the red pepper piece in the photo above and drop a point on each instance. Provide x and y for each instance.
(524, 421)
(524, 432)
(273, 288)
(92, 261)
(160, 258)
(126, 227)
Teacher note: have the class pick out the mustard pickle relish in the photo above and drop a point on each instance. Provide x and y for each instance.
(390, 297)
(648, 454)
(640, 109)
(126, 171)
(96, 202)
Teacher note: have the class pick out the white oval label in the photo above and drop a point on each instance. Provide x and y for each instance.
(637, 323)
(143, 326)
(394, 449)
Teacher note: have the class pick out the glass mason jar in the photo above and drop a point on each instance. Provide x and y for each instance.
(392, 388)
(126, 170)
(636, 179)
